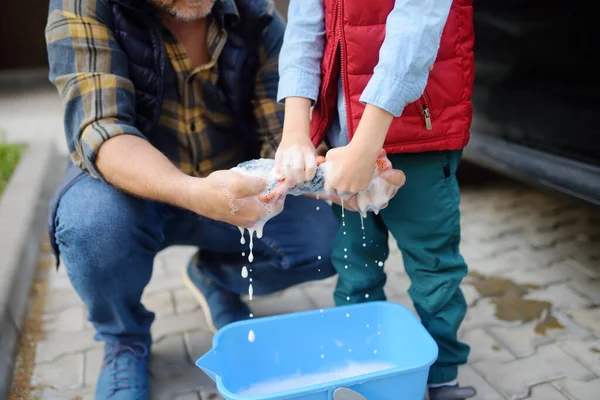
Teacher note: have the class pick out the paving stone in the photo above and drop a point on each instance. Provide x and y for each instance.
(160, 303)
(587, 317)
(586, 269)
(292, 300)
(71, 319)
(59, 299)
(197, 343)
(169, 357)
(175, 258)
(162, 284)
(588, 288)
(484, 347)
(189, 396)
(398, 283)
(85, 393)
(56, 345)
(468, 377)
(471, 294)
(561, 297)
(586, 352)
(320, 296)
(503, 263)
(523, 340)
(93, 364)
(177, 324)
(64, 373)
(579, 390)
(514, 378)
(545, 392)
(542, 276)
(185, 302)
(210, 394)
(482, 314)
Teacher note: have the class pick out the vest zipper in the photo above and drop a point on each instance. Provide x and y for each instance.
(423, 106)
(347, 100)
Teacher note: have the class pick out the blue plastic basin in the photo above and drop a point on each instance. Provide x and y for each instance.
(376, 334)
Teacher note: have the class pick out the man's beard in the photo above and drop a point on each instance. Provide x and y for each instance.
(185, 10)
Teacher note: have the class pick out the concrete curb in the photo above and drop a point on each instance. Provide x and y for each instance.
(23, 216)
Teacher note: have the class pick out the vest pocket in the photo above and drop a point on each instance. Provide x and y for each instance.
(423, 104)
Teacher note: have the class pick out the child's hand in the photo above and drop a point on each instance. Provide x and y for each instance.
(296, 158)
(351, 170)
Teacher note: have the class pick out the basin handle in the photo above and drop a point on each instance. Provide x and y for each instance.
(347, 394)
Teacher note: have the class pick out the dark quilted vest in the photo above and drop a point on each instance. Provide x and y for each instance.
(138, 32)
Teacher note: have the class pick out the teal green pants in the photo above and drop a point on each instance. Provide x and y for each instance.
(424, 219)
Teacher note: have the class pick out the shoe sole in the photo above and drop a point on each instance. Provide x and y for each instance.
(200, 298)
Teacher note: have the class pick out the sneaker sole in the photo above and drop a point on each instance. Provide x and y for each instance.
(200, 298)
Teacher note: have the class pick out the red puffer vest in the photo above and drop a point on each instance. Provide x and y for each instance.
(439, 119)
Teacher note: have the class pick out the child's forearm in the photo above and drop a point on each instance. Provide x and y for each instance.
(297, 116)
(372, 130)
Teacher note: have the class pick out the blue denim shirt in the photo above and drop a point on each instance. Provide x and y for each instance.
(412, 39)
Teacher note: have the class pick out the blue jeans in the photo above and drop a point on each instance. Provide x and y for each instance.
(108, 240)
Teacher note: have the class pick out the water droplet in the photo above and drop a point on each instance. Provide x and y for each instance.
(379, 333)
(321, 310)
(366, 265)
(374, 351)
(348, 315)
(348, 298)
(250, 279)
(367, 325)
(344, 232)
(318, 257)
(244, 272)
(318, 208)
(251, 315)
(380, 264)
(243, 254)
(367, 296)
(319, 270)
(345, 255)
(364, 245)
(251, 336)
(349, 350)
(345, 249)
(345, 266)
(321, 347)
(322, 355)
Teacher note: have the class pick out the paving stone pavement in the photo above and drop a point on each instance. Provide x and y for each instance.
(534, 297)
(544, 249)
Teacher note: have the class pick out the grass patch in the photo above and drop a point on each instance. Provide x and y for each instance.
(9, 157)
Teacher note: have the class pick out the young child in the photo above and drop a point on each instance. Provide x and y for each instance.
(397, 75)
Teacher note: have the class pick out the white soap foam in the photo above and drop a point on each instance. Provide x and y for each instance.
(244, 272)
(298, 381)
(251, 336)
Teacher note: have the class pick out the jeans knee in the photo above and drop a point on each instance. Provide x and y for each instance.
(96, 224)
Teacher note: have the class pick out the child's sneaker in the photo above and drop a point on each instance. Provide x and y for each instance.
(451, 393)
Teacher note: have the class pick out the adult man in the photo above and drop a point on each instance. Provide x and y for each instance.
(161, 98)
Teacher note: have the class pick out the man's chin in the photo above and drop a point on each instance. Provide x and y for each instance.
(188, 12)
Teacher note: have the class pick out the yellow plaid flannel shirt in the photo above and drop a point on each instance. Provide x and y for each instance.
(89, 70)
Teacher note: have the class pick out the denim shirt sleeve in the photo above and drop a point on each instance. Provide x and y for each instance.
(412, 39)
(302, 51)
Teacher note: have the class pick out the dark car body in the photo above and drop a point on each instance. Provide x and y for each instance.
(536, 98)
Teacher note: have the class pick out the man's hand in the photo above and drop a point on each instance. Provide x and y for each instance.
(230, 197)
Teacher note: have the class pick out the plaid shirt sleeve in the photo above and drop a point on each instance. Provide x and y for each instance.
(90, 72)
(268, 112)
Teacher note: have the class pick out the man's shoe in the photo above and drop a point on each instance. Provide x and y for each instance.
(220, 306)
(451, 393)
(125, 372)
